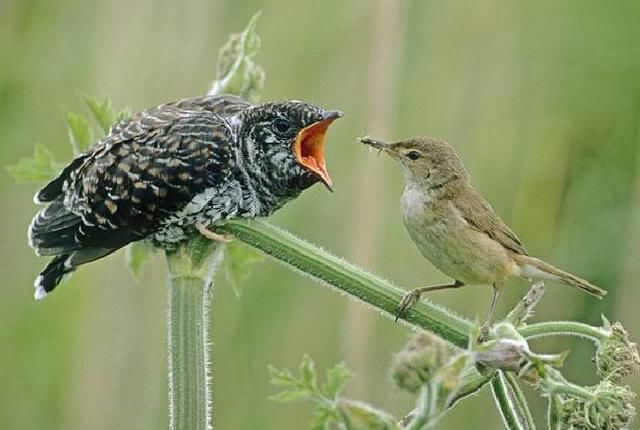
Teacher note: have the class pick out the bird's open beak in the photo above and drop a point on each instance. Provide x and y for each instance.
(376, 144)
(309, 146)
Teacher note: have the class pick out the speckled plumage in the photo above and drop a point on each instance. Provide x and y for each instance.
(162, 171)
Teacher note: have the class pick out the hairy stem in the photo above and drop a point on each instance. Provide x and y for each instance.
(519, 399)
(193, 263)
(564, 328)
(190, 285)
(335, 272)
(505, 403)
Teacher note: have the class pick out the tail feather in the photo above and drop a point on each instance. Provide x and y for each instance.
(62, 265)
(535, 268)
(53, 230)
(51, 275)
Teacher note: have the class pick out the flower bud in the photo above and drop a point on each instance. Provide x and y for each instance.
(419, 361)
(505, 354)
(616, 357)
(610, 408)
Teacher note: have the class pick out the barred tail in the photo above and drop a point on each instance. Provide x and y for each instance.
(535, 268)
(51, 275)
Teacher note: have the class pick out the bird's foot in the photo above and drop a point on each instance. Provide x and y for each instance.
(409, 299)
(485, 331)
(213, 235)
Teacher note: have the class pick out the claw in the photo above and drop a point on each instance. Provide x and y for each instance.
(407, 302)
(213, 235)
(485, 331)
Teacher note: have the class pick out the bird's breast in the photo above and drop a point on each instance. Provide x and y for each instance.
(449, 243)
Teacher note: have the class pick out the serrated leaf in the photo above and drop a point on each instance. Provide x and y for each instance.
(123, 114)
(42, 167)
(308, 372)
(79, 131)
(291, 395)
(101, 110)
(138, 253)
(281, 378)
(238, 260)
(362, 416)
(337, 378)
(322, 418)
(237, 72)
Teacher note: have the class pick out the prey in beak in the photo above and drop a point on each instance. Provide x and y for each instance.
(308, 146)
(375, 144)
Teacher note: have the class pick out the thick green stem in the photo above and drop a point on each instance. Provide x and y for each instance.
(193, 263)
(335, 272)
(190, 285)
(504, 402)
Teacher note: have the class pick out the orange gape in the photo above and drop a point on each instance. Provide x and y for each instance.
(309, 147)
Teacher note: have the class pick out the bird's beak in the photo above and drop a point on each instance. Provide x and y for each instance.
(308, 146)
(376, 144)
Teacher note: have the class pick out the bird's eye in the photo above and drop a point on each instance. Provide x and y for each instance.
(281, 126)
(413, 155)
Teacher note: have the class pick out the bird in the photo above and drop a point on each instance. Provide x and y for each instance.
(456, 229)
(170, 171)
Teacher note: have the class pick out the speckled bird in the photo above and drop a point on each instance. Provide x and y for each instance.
(170, 171)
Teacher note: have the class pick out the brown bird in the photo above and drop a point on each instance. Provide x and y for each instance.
(456, 229)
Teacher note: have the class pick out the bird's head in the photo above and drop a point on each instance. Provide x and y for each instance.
(425, 161)
(285, 141)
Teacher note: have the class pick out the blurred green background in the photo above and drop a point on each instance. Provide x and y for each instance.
(542, 100)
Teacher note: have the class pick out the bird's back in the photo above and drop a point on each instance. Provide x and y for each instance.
(123, 188)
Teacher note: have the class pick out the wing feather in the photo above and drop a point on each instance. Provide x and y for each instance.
(479, 214)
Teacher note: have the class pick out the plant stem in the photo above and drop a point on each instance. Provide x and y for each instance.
(510, 416)
(426, 406)
(193, 263)
(519, 398)
(472, 381)
(335, 272)
(568, 389)
(567, 328)
(190, 285)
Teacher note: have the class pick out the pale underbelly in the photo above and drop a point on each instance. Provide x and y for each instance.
(465, 254)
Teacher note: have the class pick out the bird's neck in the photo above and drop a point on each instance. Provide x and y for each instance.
(267, 189)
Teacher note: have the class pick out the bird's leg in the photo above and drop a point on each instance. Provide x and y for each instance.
(212, 235)
(412, 296)
(486, 327)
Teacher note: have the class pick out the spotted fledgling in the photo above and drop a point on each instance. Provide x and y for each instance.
(169, 170)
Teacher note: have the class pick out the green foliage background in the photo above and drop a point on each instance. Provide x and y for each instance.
(542, 99)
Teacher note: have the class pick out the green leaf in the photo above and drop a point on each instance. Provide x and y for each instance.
(200, 248)
(123, 114)
(351, 415)
(237, 72)
(308, 372)
(292, 388)
(42, 167)
(138, 253)
(238, 260)
(281, 378)
(361, 416)
(101, 110)
(80, 133)
(337, 378)
(322, 418)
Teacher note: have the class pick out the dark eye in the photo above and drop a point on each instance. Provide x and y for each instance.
(281, 126)
(413, 155)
